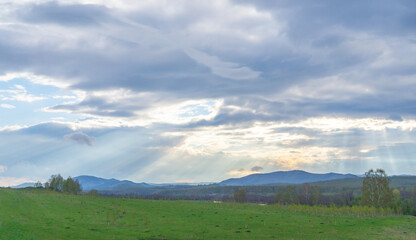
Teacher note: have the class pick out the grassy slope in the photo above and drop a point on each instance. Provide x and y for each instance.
(35, 214)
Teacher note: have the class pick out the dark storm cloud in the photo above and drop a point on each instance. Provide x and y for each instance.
(395, 117)
(99, 106)
(256, 169)
(81, 138)
(374, 106)
(359, 42)
(258, 109)
(378, 16)
(69, 14)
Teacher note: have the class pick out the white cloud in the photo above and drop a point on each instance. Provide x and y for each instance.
(64, 97)
(12, 128)
(185, 112)
(328, 124)
(20, 95)
(7, 106)
(241, 172)
(14, 181)
(123, 107)
(3, 169)
(243, 22)
(19, 87)
(34, 78)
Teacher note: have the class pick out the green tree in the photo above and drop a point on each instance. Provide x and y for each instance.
(398, 204)
(71, 186)
(77, 187)
(396, 195)
(290, 195)
(240, 196)
(376, 190)
(56, 183)
(280, 195)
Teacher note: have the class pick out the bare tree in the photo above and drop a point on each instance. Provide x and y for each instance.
(316, 195)
(306, 193)
(38, 184)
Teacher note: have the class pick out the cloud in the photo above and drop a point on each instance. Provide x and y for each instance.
(256, 169)
(13, 181)
(201, 89)
(81, 138)
(222, 68)
(191, 49)
(241, 172)
(7, 106)
(66, 14)
(38, 79)
(19, 93)
(166, 153)
(3, 169)
(396, 117)
(49, 129)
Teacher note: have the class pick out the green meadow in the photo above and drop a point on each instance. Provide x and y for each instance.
(41, 214)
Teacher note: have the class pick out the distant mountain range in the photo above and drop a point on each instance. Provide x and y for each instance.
(274, 178)
(283, 177)
(24, 185)
(91, 182)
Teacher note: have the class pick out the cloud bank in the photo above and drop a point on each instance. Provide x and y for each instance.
(199, 90)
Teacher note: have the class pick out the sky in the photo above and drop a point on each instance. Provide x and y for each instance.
(201, 91)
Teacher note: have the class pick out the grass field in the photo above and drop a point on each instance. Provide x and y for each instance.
(38, 214)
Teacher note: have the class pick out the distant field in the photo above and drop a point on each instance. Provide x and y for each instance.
(38, 214)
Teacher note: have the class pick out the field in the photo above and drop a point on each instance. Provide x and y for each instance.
(40, 214)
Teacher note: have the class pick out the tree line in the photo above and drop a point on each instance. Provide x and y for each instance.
(376, 192)
(59, 184)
